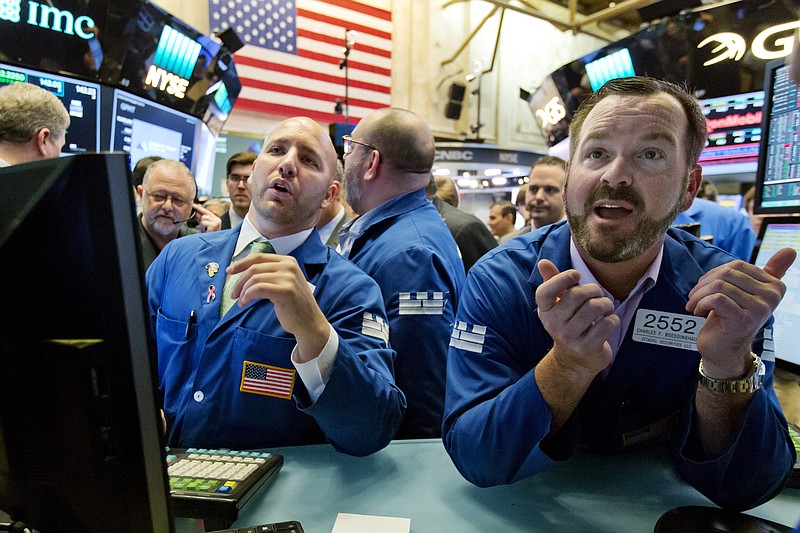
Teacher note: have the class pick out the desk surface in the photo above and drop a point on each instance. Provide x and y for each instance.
(416, 480)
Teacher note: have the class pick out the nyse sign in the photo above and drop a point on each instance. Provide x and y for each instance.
(772, 43)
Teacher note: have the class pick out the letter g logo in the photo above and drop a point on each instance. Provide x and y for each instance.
(9, 10)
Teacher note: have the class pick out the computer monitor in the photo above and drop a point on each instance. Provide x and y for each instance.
(777, 233)
(778, 173)
(144, 128)
(81, 98)
(734, 130)
(80, 446)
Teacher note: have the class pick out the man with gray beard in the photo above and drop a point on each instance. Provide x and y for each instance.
(625, 331)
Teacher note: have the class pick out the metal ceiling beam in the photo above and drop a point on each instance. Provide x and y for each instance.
(556, 15)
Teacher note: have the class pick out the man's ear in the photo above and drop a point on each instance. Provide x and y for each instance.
(332, 192)
(43, 136)
(374, 166)
(695, 178)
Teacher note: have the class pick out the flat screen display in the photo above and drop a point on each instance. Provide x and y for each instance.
(82, 100)
(777, 233)
(734, 131)
(143, 128)
(778, 174)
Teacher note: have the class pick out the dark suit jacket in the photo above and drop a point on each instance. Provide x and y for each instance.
(333, 240)
(472, 236)
(226, 220)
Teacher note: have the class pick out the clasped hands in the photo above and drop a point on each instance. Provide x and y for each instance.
(736, 299)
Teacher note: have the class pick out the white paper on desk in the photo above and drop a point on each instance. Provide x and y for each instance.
(359, 523)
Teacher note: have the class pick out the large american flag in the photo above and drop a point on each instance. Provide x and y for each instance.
(290, 63)
(267, 380)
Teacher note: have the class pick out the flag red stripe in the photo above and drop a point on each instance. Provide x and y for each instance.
(340, 42)
(343, 23)
(362, 8)
(335, 61)
(289, 111)
(297, 91)
(269, 65)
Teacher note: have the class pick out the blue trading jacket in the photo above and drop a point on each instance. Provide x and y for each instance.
(495, 416)
(409, 251)
(225, 381)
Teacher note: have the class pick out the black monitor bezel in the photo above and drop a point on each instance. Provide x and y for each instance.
(779, 362)
(769, 81)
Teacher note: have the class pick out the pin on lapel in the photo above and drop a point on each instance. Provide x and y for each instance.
(212, 294)
(212, 268)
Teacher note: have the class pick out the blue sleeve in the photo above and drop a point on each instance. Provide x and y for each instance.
(495, 416)
(757, 465)
(741, 239)
(421, 293)
(361, 407)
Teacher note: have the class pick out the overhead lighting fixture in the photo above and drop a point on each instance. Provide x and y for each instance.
(498, 181)
(466, 182)
(441, 171)
(489, 172)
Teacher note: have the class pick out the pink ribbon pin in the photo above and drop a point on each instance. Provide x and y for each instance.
(211, 294)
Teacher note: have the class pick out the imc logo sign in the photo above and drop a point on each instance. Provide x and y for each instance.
(47, 17)
(173, 62)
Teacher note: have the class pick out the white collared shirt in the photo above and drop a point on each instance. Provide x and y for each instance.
(626, 308)
(315, 373)
(234, 216)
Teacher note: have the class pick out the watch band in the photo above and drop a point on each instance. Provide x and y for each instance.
(750, 383)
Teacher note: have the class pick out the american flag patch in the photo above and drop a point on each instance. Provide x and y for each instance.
(267, 380)
(375, 326)
(466, 338)
(421, 303)
(768, 347)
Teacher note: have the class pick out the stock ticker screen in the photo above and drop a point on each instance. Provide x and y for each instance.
(82, 100)
(779, 165)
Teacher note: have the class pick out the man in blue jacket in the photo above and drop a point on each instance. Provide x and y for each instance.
(402, 243)
(623, 331)
(285, 347)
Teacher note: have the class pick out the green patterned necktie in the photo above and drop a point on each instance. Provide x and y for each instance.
(255, 247)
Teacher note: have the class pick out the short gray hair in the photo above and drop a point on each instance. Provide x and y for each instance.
(171, 165)
(27, 109)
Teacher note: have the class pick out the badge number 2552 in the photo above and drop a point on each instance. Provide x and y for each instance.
(667, 329)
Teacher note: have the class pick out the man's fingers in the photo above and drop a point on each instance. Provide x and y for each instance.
(547, 269)
(779, 263)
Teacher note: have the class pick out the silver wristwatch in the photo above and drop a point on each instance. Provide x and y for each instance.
(750, 383)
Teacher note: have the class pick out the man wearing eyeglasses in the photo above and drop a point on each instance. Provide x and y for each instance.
(167, 192)
(401, 241)
(238, 170)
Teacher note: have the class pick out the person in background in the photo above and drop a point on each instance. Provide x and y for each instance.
(333, 217)
(218, 206)
(625, 330)
(237, 174)
(167, 192)
(447, 190)
(728, 228)
(472, 236)
(400, 240)
(266, 337)
(545, 204)
(522, 206)
(501, 219)
(138, 176)
(33, 125)
(708, 191)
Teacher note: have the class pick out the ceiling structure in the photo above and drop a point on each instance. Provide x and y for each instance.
(605, 19)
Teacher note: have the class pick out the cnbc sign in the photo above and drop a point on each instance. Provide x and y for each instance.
(173, 62)
(46, 17)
